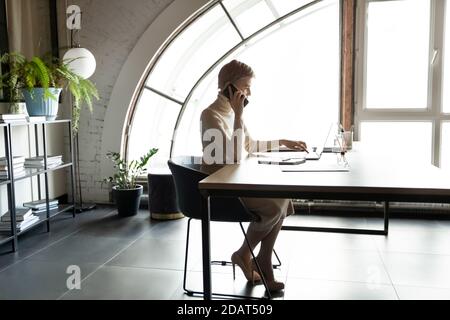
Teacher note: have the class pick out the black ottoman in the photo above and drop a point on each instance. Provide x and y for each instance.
(162, 200)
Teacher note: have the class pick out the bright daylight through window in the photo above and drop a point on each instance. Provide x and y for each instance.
(397, 54)
(295, 93)
(402, 72)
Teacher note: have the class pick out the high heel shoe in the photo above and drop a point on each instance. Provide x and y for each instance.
(249, 273)
(272, 284)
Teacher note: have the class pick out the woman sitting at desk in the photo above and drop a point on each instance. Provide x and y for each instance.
(224, 136)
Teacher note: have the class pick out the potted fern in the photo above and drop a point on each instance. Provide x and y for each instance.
(10, 82)
(40, 81)
(126, 192)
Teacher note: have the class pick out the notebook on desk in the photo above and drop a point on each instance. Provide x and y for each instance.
(282, 161)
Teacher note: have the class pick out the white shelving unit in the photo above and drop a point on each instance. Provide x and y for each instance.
(39, 173)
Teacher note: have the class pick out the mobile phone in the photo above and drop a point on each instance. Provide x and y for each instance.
(233, 90)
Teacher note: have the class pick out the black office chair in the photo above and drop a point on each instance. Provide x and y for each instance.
(187, 174)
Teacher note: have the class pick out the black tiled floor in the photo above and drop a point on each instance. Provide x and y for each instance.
(77, 249)
(38, 279)
(110, 282)
(147, 253)
(139, 258)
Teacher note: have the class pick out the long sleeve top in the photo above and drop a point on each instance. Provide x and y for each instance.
(221, 143)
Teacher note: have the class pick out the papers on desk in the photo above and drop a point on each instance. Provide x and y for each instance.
(281, 161)
(322, 165)
(277, 158)
(316, 166)
(280, 155)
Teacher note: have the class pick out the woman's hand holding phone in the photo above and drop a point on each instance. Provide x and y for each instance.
(237, 100)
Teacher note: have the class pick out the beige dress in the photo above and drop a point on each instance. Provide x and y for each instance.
(217, 129)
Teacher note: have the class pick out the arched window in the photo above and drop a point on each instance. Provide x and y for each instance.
(293, 47)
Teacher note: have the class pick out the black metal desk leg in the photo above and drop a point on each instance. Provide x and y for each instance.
(206, 253)
(386, 217)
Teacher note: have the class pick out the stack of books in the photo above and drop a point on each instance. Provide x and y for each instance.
(24, 218)
(13, 118)
(40, 205)
(18, 167)
(38, 162)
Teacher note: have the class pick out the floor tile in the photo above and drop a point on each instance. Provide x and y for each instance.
(307, 289)
(306, 240)
(344, 265)
(419, 240)
(78, 249)
(119, 283)
(423, 270)
(421, 293)
(153, 253)
(38, 279)
(115, 226)
(409, 225)
(168, 230)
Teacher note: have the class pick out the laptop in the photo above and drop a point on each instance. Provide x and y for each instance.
(314, 153)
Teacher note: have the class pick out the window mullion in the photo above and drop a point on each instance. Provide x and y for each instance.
(360, 62)
(436, 75)
(272, 9)
(162, 94)
(232, 21)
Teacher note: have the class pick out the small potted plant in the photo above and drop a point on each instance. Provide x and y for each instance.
(40, 81)
(126, 192)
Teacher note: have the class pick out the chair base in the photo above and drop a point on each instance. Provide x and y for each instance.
(225, 263)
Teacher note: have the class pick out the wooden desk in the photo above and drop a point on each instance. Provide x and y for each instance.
(373, 176)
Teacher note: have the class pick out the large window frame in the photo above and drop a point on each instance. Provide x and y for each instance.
(434, 111)
(183, 103)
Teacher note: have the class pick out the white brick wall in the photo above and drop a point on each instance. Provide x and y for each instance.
(110, 30)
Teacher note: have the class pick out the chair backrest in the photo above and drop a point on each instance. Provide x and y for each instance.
(186, 177)
(187, 174)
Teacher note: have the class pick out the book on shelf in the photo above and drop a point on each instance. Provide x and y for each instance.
(39, 204)
(38, 162)
(41, 165)
(13, 118)
(14, 121)
(6, 226)
(41, 158)
(16, 160)
(15, 171)
(4, 167)
(52, 207)
(18, 173)
(21, 215)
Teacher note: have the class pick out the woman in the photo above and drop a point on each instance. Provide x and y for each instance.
(224, 135)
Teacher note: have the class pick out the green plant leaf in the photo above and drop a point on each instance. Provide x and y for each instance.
(46, 72)
(127, 173)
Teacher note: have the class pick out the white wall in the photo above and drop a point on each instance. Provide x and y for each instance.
(110, 30)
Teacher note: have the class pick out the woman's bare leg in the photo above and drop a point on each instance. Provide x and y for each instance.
(267, 239)
(265, 252)
(254, 238)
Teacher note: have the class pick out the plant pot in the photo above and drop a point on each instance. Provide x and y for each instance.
(127, 200)
(39, 105)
